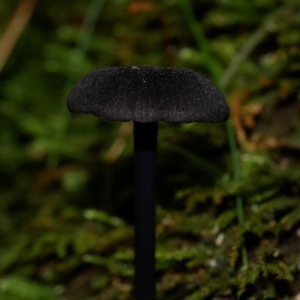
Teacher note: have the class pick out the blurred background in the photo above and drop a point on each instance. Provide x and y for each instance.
(228, 205)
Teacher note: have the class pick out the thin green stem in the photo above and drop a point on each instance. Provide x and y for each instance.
(216, 78)
(200, 40)
(75, 65)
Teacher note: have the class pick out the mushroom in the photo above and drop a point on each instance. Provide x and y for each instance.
(147, 95)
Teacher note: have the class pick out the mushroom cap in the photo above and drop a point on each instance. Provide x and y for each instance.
(148, 94)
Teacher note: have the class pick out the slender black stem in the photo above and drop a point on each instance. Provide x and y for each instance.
(145, 143)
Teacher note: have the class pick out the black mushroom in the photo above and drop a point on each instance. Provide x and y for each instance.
(147, 95)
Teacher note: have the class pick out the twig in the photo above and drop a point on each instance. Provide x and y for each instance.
(15, 28)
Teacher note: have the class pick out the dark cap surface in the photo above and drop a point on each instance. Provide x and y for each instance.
(148, 94)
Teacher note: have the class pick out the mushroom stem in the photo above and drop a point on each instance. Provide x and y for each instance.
(145, 144)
